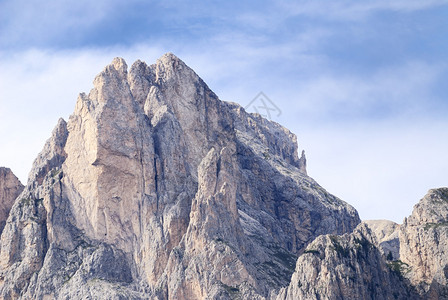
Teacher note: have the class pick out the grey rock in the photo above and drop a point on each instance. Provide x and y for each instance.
(346, 267)
(359, 266)
(155, 188)
(424, 244)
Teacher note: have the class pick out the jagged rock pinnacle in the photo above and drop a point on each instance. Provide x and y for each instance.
(120, 65)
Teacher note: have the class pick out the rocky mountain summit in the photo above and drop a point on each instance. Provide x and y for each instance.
(156, 189)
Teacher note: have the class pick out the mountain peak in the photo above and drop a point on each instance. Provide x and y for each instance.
(155, 182)
(176, 189)
(170, 57)
(120, 65)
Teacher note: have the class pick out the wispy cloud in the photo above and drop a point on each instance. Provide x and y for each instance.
(355, 10)
(394, 91)
(37, 22)
(382, 168)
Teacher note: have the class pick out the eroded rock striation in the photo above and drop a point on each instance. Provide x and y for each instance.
(155, 188)
(10, 188)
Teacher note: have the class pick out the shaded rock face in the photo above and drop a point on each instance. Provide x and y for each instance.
(345, 267)
(155, 188)
(10, 188)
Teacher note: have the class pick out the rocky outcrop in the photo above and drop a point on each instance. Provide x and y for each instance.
(10, 188)
(424, 244)
(380, 259)
(155, 188)
(345, 267)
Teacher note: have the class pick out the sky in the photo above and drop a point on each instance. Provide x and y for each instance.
(363, 84)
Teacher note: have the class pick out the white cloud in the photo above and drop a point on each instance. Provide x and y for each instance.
(384, 168)
(42, 20)
(375, 140)
(397, 89)
(355, 10)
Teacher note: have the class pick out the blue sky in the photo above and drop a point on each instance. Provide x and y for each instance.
(362, 84)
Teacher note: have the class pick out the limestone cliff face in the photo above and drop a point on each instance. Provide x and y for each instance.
(10, 188)
(155, 188)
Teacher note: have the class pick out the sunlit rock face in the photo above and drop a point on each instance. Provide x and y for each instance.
(155, 188)
(387, 237)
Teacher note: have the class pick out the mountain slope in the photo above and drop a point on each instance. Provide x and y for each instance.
(155, 188)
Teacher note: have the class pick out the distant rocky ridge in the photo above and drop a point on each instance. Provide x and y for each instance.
(156, 189)
(387, 237)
